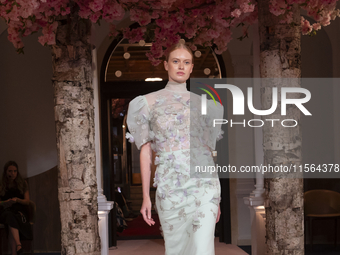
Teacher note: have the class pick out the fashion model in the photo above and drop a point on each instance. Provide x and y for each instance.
(169, 122)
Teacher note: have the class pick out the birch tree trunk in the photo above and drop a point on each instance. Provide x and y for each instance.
(74, 118)
(280, 57)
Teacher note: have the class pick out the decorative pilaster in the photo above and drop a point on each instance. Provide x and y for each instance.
(104, 206)
(255, 200)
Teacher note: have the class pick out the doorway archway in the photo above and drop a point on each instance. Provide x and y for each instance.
(123, 75)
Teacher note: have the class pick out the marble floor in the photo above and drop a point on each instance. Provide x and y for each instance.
(156, 247)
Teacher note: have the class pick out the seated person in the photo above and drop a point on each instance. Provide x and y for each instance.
(14, 196)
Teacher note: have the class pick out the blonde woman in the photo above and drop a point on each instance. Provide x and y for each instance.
(188, 206)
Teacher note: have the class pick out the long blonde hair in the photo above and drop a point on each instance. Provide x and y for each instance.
(19, 182)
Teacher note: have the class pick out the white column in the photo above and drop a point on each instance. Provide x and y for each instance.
(258, 229)
(258, 135)
(243, 69)
(255, 201)
(104, 206)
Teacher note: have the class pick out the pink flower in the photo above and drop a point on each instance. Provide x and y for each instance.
(96, 5)
(53, 26)
(113, 11)
(42, 39)
(212, 33)
(18, 44)
(236, 13)
(13, 37)
(306, 28)
(95, 16)
(166, 4)
(154, 14)
(326, 20)
(113, 30)
(84, 13)
(134, 15)
(193, 47)
(145, 19)
(134, 35)
(334, 14)
(314, 14)
(190, 30)
(277, 7)
(66, 11)
(245, 6)
(316, 26)
(50, 39)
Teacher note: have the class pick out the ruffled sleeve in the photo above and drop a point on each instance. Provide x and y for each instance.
(211, 133)
(138, 121)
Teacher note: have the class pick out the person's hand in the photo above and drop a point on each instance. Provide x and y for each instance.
(7, 203)
(14, 199)
(146, 212)
(218, 214)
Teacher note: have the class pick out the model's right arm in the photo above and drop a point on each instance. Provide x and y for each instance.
(138, 123)
(145, 168)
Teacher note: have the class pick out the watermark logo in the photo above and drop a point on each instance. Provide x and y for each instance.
(204, 97)
(238, 99)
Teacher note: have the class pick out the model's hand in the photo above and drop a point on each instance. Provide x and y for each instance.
(14, 199)
(146, 212)
(218, 214)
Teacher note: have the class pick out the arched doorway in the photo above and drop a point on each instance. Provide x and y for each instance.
(124, 71)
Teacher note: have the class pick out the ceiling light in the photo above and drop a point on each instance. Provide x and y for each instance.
(126, 55)
(118, 73)
(141, 43)
(198, 54)
(153, 79)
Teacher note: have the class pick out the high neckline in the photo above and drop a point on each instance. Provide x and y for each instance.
(176, 87)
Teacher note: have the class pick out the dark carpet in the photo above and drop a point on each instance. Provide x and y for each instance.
(138, 229)
(322, 249)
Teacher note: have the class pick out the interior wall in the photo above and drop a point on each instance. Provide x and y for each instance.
(27, 131)
(318, 141)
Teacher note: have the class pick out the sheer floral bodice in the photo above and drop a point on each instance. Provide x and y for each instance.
(171, 119)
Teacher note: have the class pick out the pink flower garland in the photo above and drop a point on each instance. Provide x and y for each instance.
(204, 22)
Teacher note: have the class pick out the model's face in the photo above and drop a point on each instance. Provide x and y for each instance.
(12, 173)
(179, 65)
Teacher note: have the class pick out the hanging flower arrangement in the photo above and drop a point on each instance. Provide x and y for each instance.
(163, 22)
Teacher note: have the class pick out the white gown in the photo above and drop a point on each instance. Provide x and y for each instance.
(187, 203)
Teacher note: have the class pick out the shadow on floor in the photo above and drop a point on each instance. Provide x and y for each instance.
(246, 248)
